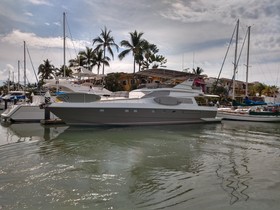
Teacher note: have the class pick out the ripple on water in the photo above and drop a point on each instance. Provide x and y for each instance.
(164, 189)
(171, 167)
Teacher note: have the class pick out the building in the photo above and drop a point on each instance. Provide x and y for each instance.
(157, 77)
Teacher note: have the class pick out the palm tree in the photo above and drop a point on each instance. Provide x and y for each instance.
(105, 42)
(270, 90)
(258, 88)
(88, 58)
(100, 60)
(134, 46)
(68, 71)
(157, 60)
(145, 53)
(198, 71)
(79, 61)
(46, 71)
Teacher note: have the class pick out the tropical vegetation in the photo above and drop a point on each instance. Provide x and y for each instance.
(46, 71)
(144, 53)
(105, 42)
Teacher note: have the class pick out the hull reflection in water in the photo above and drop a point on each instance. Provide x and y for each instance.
(30, 131)
(211, 166)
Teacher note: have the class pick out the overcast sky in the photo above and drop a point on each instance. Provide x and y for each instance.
(189, 33)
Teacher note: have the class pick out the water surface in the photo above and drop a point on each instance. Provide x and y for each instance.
(232, 165)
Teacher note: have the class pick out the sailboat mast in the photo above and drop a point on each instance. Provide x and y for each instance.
(235, 60)
(9, 81)
(247, 66)
(18, 73)
(24, 66)
(64, 38)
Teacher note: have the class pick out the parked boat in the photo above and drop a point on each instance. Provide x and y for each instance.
(178, 105)
(248, 110)
(263, 113)
(11, 98)
(26, 111)
(14, 95)
(34, 112)
(68, 85)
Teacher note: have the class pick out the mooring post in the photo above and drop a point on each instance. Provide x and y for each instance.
(47, 101)
(6, 104)
(32, 97)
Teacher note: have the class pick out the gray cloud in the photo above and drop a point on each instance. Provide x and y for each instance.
(178, 27)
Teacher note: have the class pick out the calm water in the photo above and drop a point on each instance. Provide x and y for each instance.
(231, 165)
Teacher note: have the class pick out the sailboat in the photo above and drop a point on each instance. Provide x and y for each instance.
(32, 111)
(249, 110)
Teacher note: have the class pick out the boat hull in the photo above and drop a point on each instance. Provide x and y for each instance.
(24, 113)
(130, 116)
(245, 116)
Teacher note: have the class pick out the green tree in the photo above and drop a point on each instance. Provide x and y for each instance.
(105, 42)
(270, 91)
(88, 58)
(148, 56)
(112, 82)
(132, 46)
(258, 89)
(60, 72)
(46, 71)
(100, 60)
(157, 60)
(78, 61)
(219, 90)
(198, 71)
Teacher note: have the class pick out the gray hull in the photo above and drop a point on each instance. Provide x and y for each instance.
(126, 116)
(24, 113)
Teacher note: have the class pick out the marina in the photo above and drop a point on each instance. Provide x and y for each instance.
(155, 105)
(228, 165)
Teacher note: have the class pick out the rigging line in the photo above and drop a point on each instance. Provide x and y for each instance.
(31, 64)
(277, 75)
(267, 74)
(235, 68)
(21, 67)
(69, 52)
(262, 64)
(225, 58)
(71, 38)
(241, 49)
(260, 69)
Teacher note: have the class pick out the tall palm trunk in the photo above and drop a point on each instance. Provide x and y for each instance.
(134, 64)
(103, 58)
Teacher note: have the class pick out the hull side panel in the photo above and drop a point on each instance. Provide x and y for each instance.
(127, 116)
